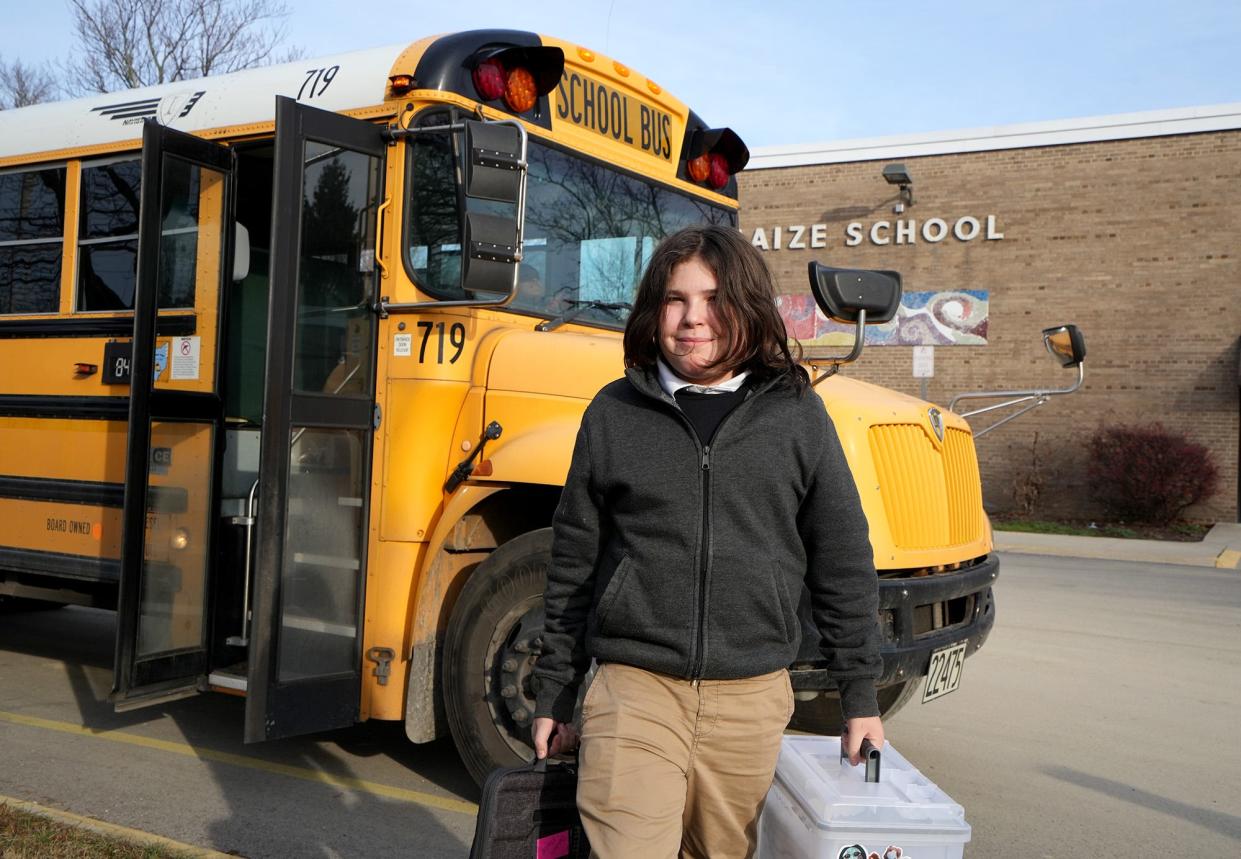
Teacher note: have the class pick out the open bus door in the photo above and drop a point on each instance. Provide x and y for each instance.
(305, 658)
(174, 419)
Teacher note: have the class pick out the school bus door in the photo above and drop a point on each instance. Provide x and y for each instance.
(319, 417)
(305, 634)
(175, 414)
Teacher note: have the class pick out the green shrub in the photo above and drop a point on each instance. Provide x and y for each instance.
(1148, 473)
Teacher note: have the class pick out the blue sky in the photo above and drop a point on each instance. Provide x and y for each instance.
(806, 72)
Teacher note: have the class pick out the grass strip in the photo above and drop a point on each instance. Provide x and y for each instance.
(26, 835)
(1183, 531)
(1038, 526)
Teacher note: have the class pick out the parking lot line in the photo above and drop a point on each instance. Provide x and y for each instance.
(187, 750)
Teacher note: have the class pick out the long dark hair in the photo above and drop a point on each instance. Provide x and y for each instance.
(745, 299)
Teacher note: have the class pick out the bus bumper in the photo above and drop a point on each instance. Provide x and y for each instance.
(917, 616)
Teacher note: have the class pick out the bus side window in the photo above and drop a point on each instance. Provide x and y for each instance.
(108, 235)
(32, 219)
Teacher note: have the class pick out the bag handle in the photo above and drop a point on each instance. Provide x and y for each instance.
(540, 764)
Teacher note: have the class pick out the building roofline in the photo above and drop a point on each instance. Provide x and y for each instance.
(1119, 126)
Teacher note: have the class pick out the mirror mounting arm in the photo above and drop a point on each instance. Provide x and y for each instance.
(385, 308)
(1040, 397)
(859, 339)
(392, 135)
(1038, 402)
(832, 370)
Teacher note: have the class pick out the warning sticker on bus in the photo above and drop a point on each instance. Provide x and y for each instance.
(606, 110)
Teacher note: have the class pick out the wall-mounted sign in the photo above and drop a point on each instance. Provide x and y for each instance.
(924, 362)
(905, 231)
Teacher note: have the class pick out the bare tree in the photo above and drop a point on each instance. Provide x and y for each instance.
(123, 44)
(22, 85)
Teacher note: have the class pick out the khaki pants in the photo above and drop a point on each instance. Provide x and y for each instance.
(668, 768)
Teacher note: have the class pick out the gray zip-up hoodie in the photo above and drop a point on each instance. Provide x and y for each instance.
(687, 559)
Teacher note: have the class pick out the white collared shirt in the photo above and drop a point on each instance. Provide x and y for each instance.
(671, 382)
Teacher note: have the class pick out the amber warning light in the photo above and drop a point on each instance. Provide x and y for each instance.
(713, 155)
(518, 76)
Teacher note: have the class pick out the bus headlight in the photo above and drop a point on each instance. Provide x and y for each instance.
(180, 539)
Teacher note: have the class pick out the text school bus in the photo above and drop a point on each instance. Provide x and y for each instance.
(271, 388)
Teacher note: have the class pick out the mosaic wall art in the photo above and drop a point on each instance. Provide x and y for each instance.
(950, 318)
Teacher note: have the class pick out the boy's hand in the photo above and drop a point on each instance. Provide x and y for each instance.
(856, 730)
(563, 735)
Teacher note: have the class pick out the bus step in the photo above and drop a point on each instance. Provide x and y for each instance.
(348, 502)
(231, 679)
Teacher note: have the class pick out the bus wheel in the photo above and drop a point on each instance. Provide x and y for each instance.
(494, 637)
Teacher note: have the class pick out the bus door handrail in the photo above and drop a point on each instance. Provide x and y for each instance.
(246, 522)
(379, 225)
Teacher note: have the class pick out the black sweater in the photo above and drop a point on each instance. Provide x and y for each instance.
(706, 411)
(687, 559)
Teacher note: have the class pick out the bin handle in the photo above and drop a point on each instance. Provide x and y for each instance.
(870, 757)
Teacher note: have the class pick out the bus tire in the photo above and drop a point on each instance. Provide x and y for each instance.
(494, 635)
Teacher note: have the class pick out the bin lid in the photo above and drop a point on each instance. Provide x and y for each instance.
(836, 796)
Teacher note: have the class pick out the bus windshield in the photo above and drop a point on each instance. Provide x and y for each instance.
(589, 230)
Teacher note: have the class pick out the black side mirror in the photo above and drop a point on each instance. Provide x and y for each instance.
(490, 257)
(854, 296)
(1067, 343)
(492, 165)
(493, 169)
(842, 292)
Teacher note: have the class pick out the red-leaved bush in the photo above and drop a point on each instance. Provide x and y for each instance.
(1149, 474)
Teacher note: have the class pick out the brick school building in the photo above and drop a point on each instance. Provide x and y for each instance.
(1128, 226)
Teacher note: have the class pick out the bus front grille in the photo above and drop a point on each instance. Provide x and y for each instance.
(931, 495)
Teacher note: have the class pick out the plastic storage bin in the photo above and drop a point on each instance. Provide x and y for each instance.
(822, 808)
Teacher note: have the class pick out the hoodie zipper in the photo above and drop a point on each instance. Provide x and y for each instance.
(704, 550)
(704, 560)
(704, 554)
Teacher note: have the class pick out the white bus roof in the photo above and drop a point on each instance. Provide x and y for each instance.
(360, 79)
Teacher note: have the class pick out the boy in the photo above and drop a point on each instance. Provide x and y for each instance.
(705, 487)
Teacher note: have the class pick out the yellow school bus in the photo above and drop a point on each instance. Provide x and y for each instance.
(292, 361)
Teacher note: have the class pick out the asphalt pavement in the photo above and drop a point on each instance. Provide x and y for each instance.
(1099, 719)
(180, 770)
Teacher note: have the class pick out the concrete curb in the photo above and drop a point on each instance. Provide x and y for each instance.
(1220, 549)
(112, 830)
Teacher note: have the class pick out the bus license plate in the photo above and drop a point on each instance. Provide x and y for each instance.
(945, 673)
